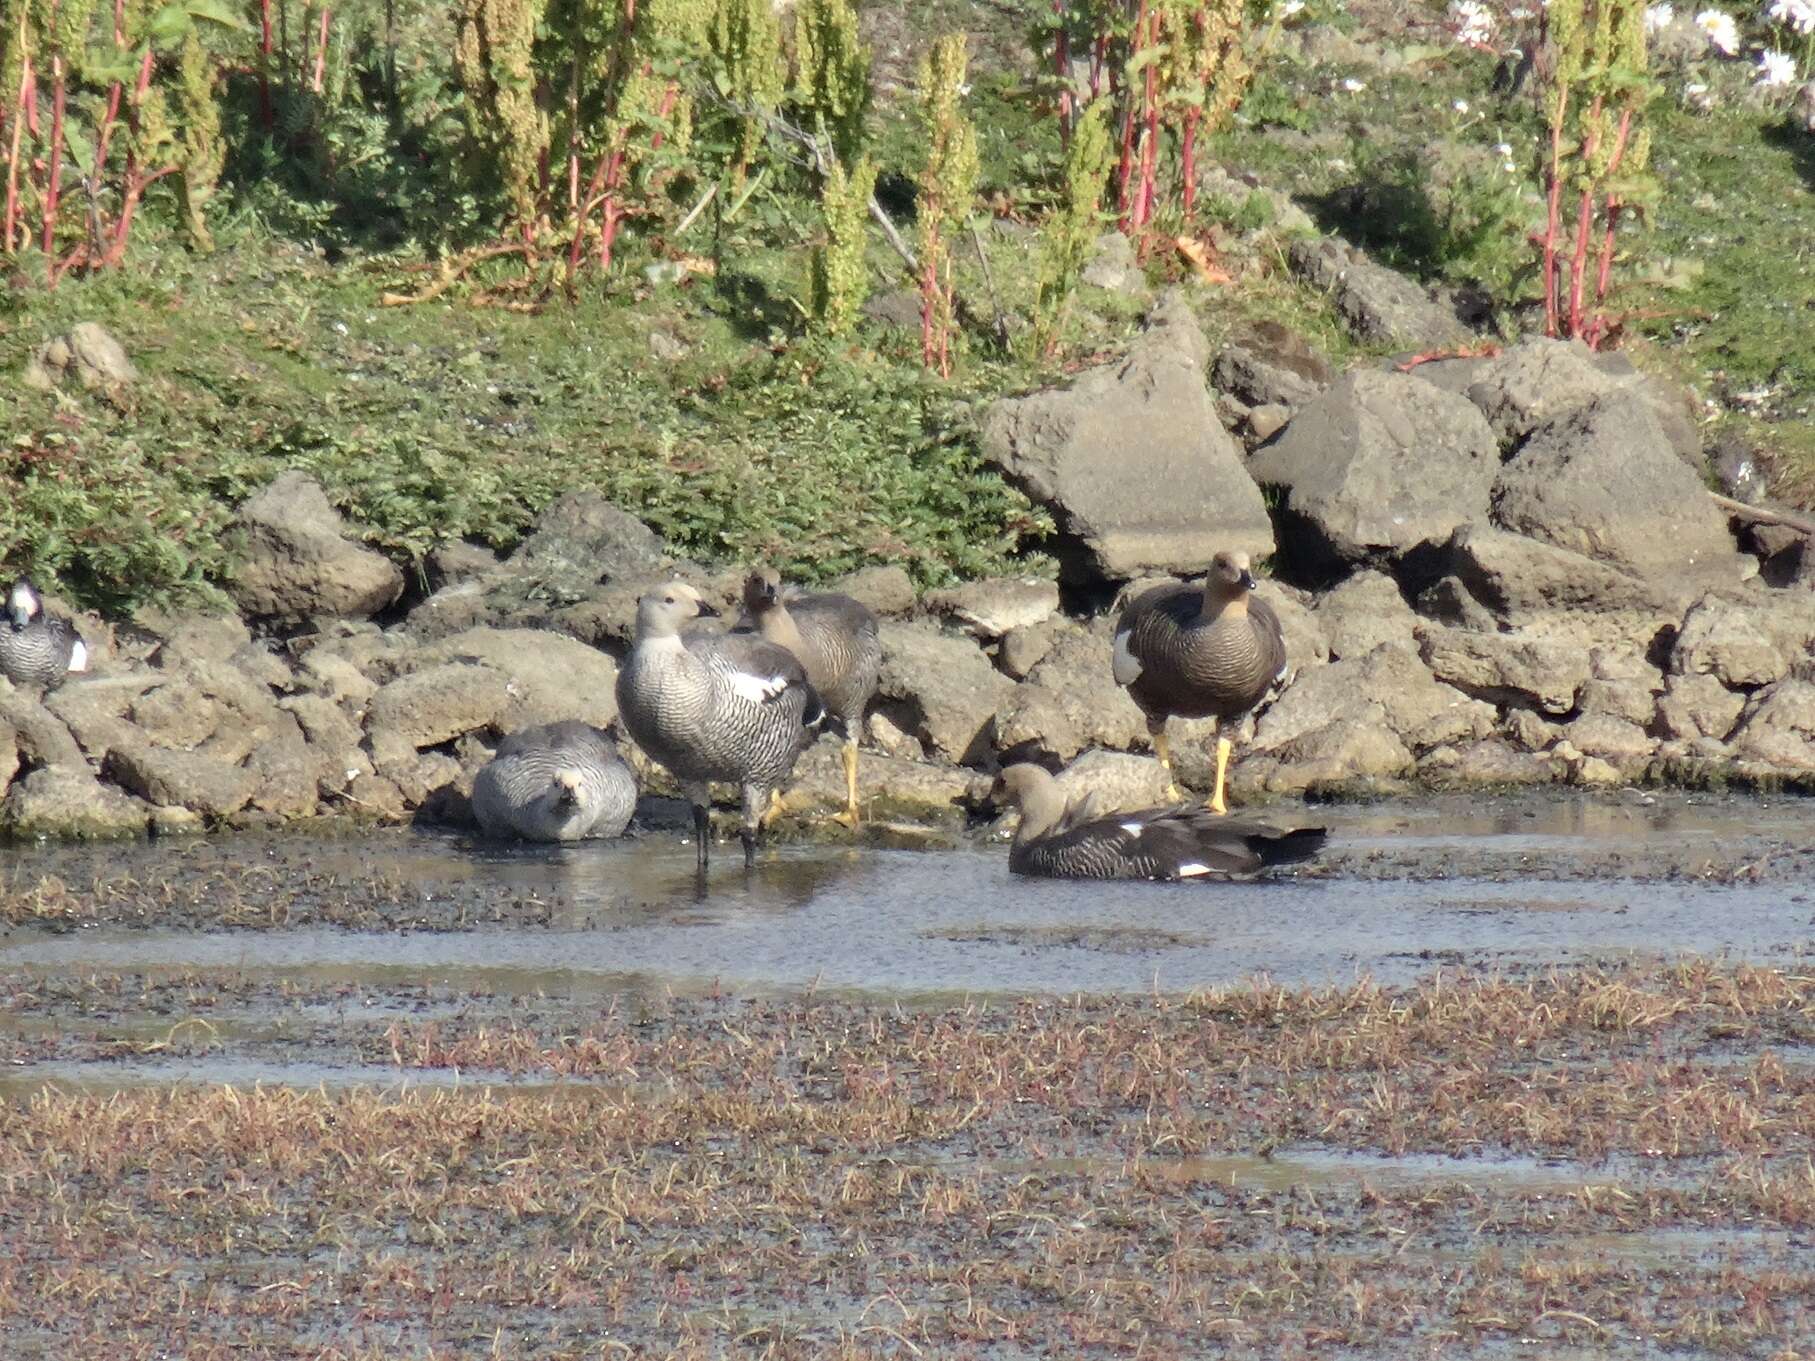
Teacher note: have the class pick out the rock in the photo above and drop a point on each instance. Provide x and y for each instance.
(1387, 687)
(1778, 727)
(68, 801)
(1378, 465)
(1139, 473)
(990, 608)
(38, 735)
(90, 352)
(333, 738)
(886, 589)
(1583, 769)
(1361, 751)
(1112, 265)
(1071, 701)
(1119, 780)
(1487, 763)
(891, 741)
(1529, 584)
(898, 309)
(550, 676)
(1745, 644)
(1364, 611)
(416, 774)
(299, 563)
(373, 796)
(460, 561)
(1601, 481)
(9, 757)
(1539, 380)
(1306, 643)
(287, 774)
(1622, 744)
(191, 636)
(1695, 706)
(430, 706)
(888, 787)
(1505, 668)
(1268, 364)
(335, 678)
(1022, 649)
(1450, 602)
(941, 689)
(1633, 701)
(172, 716)
(1377, 305)
(1530, 732)
(582, 539)
(184, 778)
(1264, 422)
(94, 710)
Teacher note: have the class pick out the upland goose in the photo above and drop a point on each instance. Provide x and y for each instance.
(732, 707)
(557, 782)
(1200, 652)
(836, 640)
(34, 648)
(1064, 840)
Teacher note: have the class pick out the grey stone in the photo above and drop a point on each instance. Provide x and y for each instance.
(1388, 686)
(1695, 706)
(1022, 649)
(188, 636)
(287, 773)
(1539, 380)
(1112, 265)
(1634, 701)
(889, 788)
(1119, 780)
(186, 779)
(1380, 464)
(581, 539)
(440, 702)
(1132, 460)
(1601, 481)
(1377, 305)
(68, 801)
(1623, 744)
(1448, 601)
(299, 563)
(39, 735)
(1745, 643)
(1530, 732)
(941, 689)
(1489, 762)
(550, 676)
(332, 675)
(995, 606)
(897, 309)
(90, 352)
(95, 709)
(1264, 422)
(1267, 363)
(1778, 727)
(460, 561)
(173, 716)
(1071, 701)
(885, 589)
(1362, 750)
(1505, 668)
(1364, 611)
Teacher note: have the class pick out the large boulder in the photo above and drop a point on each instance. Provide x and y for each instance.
(1268, 364)
(185, 779)
(1505, 668)
(1388, 688)
(1132, 461)
(1364, 611)
(1378, 465)
(299, 563)
(1070, 701)
(1746, 643)
(1778, 727)
(1601, 480)
(440, 702)
(551, 676)
(997, 605)
(940, 689)
(1379, 306)
(582, 539)
(68, 801)
(90, 352)
(1119, 780)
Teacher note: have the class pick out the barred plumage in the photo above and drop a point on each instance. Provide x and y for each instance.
(1200, 652)
(558, 782)
(838, 642)
(727, 707)
(1073, 841)
(34, 648)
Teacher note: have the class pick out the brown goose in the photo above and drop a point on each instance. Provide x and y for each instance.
(1072, 841)
(837, 642)
(1191, 652)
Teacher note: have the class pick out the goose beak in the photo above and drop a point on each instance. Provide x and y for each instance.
(1247, 580)
(706, 610)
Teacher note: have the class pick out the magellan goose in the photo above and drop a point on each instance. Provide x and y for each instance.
(557, 782)
(34, 648)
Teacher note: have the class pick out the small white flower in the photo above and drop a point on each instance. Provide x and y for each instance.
(1290, 7)
(1503, 149)
(1722, 33)
(1460, 106)
(1659, 17)
(1354, 86)
(1796, 14)
(1473, 22)
(1776, 68)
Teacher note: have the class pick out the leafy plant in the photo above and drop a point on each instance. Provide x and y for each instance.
(948, 189)
(840, 281)
(1068, 233)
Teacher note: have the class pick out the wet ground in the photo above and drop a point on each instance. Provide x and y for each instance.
(1532, 1072)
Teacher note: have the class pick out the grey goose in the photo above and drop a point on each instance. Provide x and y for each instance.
(556, 782)
(34, 648)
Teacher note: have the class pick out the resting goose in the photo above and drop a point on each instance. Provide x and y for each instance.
(1200, 652)
(557, 782)
(34, 648)
(1072, 841)
(836, 640)
(731, 707)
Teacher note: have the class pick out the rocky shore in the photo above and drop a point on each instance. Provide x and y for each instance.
(1496, 570)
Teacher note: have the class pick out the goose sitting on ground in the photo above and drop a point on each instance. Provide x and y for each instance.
(732, 707)
(34, 648)
(836, 640)
(1200, 652)
(558, 782)
(1063, 840)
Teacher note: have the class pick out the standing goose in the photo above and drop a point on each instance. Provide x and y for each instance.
(558, 782)
(732, 707)
(1072, 841)
(836, 640)
(1188, 652)
(34, 648)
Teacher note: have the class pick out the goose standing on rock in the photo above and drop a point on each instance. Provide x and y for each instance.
(1190, 652)
(731, 707)
(838, 643)
(1062, 840)
(34, 648)
(558, 782)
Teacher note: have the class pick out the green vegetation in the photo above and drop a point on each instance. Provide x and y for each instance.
(425, 153)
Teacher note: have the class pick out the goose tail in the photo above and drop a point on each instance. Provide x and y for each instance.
(1288, 848)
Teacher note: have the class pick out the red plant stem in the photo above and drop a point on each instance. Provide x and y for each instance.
(12, 169)
(929, 293)
(267, 115)
(1099, 59)
(135, 183)
(1150, 140)
(1188, 162)
(1578, 258)
(1553, 215)
(321, 52)
(1061, 61)
(1614, 205)
(53, 180)
(1125, 170)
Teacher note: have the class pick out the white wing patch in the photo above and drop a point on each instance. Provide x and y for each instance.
(1125, 666)
(756, 689)
(78, 656)
(1192, 870)
(1133, 828)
